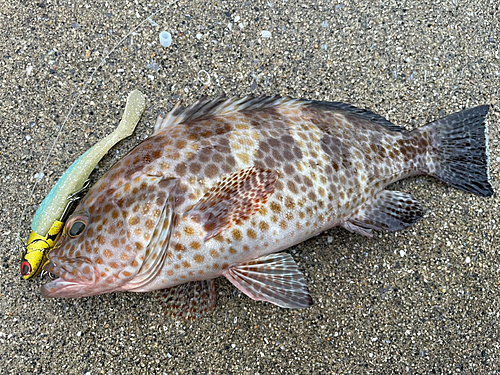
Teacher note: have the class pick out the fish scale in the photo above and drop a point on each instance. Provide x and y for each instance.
(223, 185)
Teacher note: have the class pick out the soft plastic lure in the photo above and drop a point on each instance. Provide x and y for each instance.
(48, 222)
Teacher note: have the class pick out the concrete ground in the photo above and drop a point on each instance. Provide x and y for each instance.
(422, 301)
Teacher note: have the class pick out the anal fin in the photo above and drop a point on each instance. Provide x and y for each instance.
(190, 300)
(273, 278)
(388, 210)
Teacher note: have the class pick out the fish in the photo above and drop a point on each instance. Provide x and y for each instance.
(223, 186)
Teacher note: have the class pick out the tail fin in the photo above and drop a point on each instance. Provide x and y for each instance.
(461, 146)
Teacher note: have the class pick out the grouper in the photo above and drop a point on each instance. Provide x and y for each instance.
(223, 186)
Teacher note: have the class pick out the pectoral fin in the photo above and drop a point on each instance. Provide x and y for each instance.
(234, 199)
(189, 301)
(388, 210)
(273, 278)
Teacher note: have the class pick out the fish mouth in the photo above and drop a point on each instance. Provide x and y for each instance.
(71, 283)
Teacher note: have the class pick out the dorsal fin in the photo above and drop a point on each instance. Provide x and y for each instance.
(205, 108)
(358, 112)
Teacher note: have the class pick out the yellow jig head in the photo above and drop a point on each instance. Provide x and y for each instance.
(37, 249)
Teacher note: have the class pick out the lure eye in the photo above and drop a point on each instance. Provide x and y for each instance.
(77, 228)
(25, 268)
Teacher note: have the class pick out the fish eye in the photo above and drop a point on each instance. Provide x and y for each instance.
(77, 228)
(77, 224)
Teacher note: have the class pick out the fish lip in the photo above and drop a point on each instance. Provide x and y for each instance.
(65, 287)
(76, 286)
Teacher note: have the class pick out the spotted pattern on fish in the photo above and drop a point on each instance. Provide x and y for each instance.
(222, 186)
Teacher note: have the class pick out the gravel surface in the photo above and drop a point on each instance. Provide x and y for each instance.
(421, 301)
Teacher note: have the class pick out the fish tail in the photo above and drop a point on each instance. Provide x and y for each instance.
(459, 150)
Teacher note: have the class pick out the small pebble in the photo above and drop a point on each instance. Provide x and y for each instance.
(402, 253)
(165, 39)
(265, 34)
(467, 260)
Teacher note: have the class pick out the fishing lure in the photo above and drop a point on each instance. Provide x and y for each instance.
(48, 222)
(35, 254)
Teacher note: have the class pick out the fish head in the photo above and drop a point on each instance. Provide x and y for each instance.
(115, 240)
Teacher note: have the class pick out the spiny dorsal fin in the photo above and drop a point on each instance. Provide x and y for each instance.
(348, 109)
(205, 108)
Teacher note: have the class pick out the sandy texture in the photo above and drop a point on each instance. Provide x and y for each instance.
(421, 301)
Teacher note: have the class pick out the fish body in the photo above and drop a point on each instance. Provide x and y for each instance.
(224, 185)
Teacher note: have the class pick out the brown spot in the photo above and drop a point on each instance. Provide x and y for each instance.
(224, 266)
(232, 250)
(263, 226)
(214, 253)
(115, 214)
(170, 273)
(180, 144)
(115, 242)
(194, 168)
(275, 207)
(113, 265)
(139, 246)
(108, 253)
(134, 263)
(150, 224)
(198, 258)
(186, 264)
(86, 270)
(111, 229)
(211, 170)
(133, 221)
(126, 188)
(123, 256)
(251, 233)
(236, 235)
(147, 236)
(195, 245)
(101, 240)
(292, 187)
(138, 231)
(180, 169)
(126, 273)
